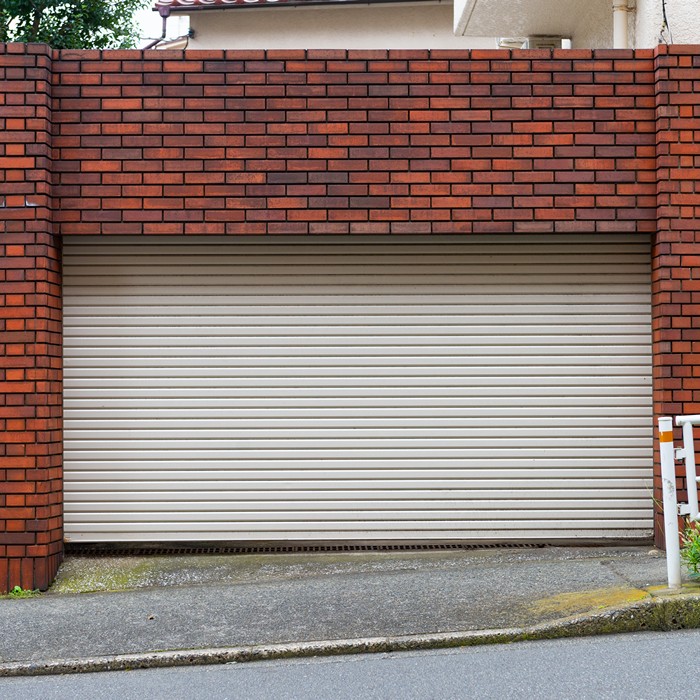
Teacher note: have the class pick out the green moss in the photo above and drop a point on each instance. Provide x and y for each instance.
(664, 590)
(19, 592)
(665, 614)
(583, 601)
(91, 574)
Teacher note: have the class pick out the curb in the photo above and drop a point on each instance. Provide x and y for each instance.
(655, 614)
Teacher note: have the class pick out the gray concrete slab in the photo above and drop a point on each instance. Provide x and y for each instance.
(196, 602)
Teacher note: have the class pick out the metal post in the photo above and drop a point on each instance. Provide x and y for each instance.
(668, 484)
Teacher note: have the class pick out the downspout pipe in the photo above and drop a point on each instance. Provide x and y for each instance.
(620, 10)
(164, 12)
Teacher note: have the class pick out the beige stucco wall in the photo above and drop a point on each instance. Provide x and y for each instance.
(588, 23)
(594, 29)
(398, 26)
(683, 18)
(430, 25)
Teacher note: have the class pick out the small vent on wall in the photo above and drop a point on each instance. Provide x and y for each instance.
(534, 42)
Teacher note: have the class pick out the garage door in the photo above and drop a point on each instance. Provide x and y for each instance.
(481, 388)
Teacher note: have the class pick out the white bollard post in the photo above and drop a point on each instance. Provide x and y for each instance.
(668, 484)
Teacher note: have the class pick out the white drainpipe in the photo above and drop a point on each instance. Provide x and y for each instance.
(620, 10)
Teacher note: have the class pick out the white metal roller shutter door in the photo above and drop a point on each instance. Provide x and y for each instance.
(487, 387)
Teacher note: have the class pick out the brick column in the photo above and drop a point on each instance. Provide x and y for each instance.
(676, 251)
(30, 326)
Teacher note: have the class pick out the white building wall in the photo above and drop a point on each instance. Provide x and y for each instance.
(683, 18)
(595, 30)
(430, 25)
(397, 26)
(587, 22)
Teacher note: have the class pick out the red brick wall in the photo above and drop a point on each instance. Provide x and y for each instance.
(676, 254)
(253, 142)
(279, 142)
(30, 326)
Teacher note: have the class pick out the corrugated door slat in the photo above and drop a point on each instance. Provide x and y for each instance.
(357, 388)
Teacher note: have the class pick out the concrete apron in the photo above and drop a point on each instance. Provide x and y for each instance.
(246, 608)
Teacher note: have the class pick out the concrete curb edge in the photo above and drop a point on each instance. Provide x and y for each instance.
(653, 614)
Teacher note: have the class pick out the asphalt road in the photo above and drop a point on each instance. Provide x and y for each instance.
(626, 667)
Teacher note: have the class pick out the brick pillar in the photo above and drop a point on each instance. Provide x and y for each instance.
(31, 490)
(676, 251)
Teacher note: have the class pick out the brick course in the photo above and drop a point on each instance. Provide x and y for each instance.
(351, 141)
(322, 142)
